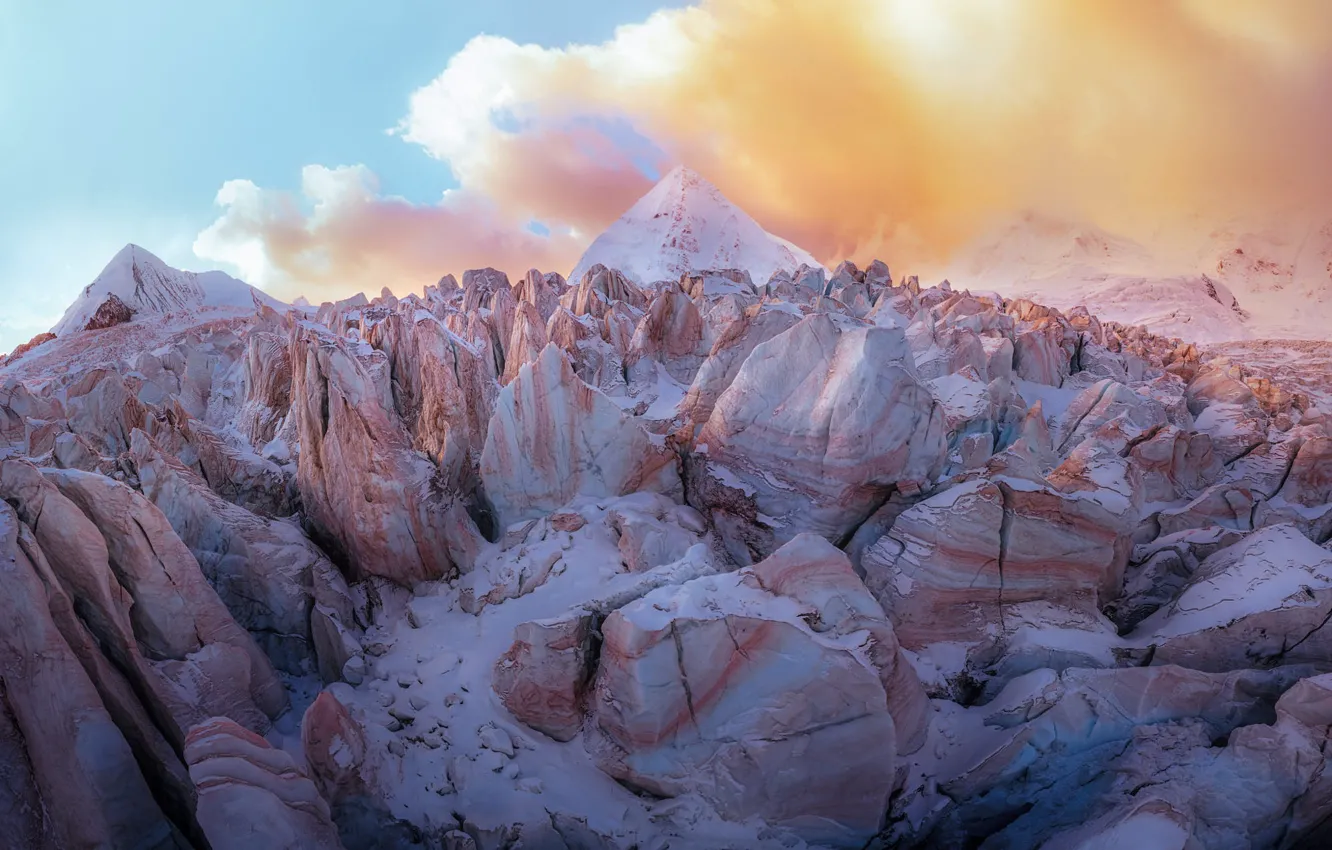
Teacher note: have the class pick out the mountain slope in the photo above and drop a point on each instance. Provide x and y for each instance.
(136, 284)
(1283, 272)
(684, 224)
(1035, 245)
(1067, 264)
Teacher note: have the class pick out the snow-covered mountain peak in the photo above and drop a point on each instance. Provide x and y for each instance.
(136, 283)
(682, 188)
(685, 224)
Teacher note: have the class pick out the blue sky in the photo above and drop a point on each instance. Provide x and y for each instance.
(119, 121)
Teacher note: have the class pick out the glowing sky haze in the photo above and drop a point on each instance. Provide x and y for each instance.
(324, 148)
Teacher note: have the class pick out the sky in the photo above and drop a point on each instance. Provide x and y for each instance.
(120, 122)
(324, 148)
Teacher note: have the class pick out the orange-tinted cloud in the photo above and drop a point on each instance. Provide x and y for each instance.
(854, 127)
(357, 240)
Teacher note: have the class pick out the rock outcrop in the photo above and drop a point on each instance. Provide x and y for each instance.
(754, 673)
(253, 797)
(553, 437)
(375, 504)
(729, 558)
(820, 425)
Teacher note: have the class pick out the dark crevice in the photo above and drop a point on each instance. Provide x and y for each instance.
(1063, 444)
(1285, 475)
(1288, 649)
(1005, 531)
(1134, 442)
(1250, 450)
(684, 678)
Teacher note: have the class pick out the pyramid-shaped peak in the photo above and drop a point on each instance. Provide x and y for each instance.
(145, 285)
(682, 174)
(132, 255)
(686, 176)
(684, 224)
(681, 187)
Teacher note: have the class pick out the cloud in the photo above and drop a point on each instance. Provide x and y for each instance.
(339, 235)
(861, 127)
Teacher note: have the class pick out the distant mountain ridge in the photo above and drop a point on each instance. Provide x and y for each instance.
(1241, 283)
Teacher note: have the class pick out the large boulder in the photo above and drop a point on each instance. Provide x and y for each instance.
(956, 568)
(1043, 351)
(1175, 464)
(335, 748)
(254, 797)
(762, 691)
(543, 678)
(1309, 483)
(819, 426)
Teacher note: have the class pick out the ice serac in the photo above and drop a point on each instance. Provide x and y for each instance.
(150, 616)
(274, 580)
(764, 691)
(176, 614)
(71, 779)
(682, 225)
(526, 342)
(441, 391)
(1265, 600)
(267, 386)
(136, 284)
(820, 425)
(553, 437)
(254, 797)
(369, 497)
(729, 352)
(962, 568)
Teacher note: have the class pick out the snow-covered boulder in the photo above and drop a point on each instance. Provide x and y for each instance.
(1265, 600)
(763, 691)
